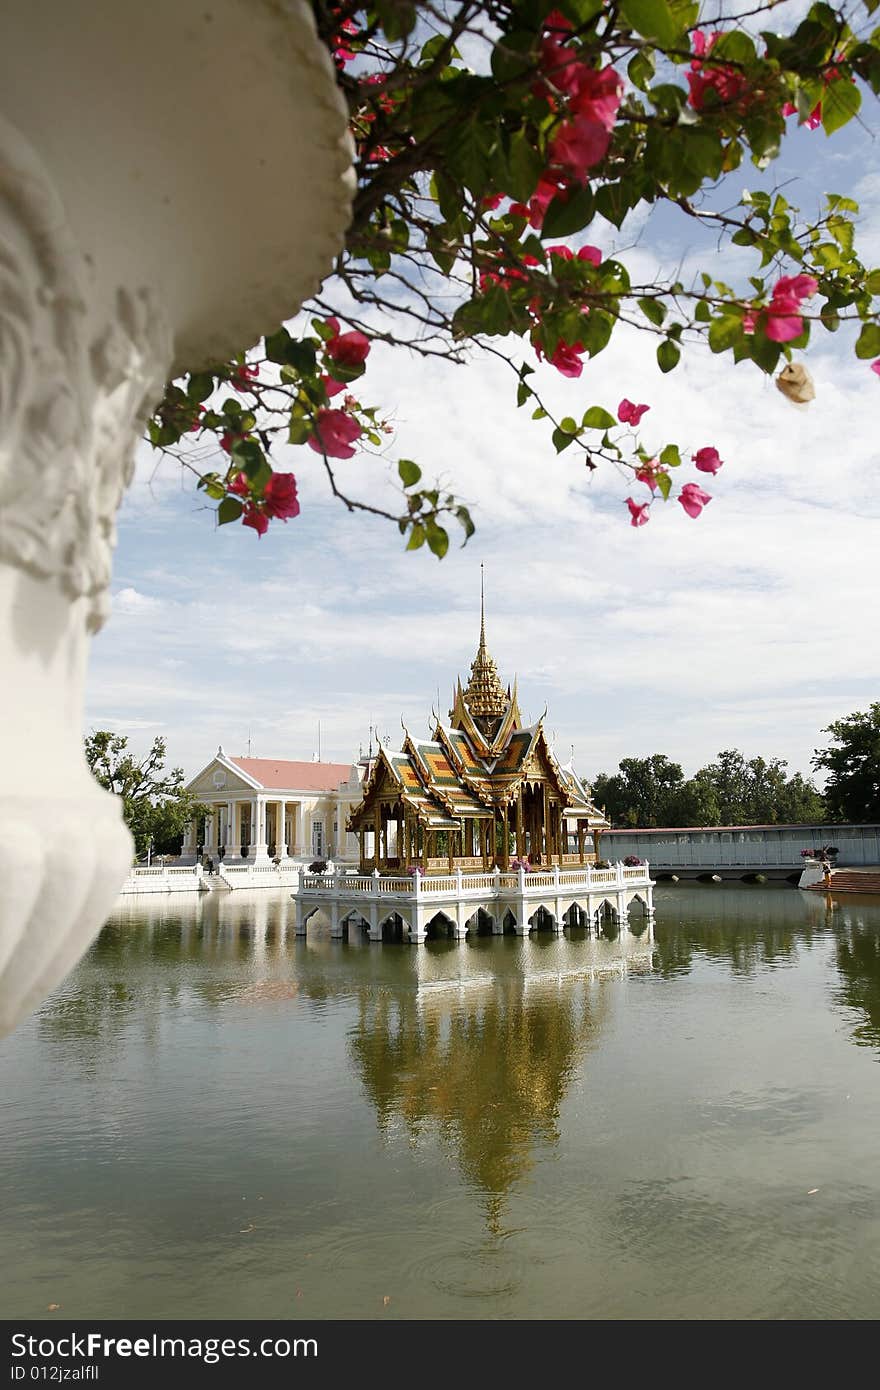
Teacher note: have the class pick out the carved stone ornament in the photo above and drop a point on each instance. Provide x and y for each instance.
(73, 402)
(125, 256)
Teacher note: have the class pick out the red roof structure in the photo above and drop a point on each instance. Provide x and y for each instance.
(280, 775)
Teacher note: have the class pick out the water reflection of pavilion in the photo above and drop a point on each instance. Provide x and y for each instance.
(479, 1051)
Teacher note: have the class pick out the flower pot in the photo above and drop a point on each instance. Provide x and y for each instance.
(174, 181)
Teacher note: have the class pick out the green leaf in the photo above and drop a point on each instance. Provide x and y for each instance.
(409, 472)
(641, 69)
(653, 310)
(468, 153)
(525, 166)
(723, 333)
(671, 457)
(513, 55)
(564, 218)
(872, 282)
(668, 354)
(200, 386)
(868, 343)
(840, 102)
(437, 537)
(229, 510)
(416, 536)
(523, 393)
(464, 518)
(664, 485)
(597, 418)
(652, 19)
(300, 430)
(561, 440)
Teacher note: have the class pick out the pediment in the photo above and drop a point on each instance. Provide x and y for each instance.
(217, 780)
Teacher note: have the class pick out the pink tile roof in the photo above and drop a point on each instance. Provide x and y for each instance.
(281, 775)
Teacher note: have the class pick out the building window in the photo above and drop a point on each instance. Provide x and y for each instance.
(318, 838)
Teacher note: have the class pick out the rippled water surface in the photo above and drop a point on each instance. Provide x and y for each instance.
(213, 1119)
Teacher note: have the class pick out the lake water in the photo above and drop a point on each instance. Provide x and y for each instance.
(212, 1119)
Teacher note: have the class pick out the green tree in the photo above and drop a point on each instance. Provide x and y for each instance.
(852, 762)
(490, 136)
(155, 803)
(652, 792)
(643, 792)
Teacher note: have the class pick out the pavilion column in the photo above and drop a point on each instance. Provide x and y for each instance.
(520, 839)
(281, 830)
(377, 835)
(228, 836)
(233, 843)
(505, 836)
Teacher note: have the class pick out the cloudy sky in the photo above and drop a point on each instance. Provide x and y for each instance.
(751, 627)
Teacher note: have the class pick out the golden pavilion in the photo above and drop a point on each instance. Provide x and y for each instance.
(485, 791)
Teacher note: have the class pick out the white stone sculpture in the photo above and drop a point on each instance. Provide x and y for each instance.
(174, 181)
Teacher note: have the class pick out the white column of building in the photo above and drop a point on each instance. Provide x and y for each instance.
(229, 831)
(281, 831)
(260, 849)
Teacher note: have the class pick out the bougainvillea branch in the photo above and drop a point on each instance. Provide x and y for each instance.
(490, 137)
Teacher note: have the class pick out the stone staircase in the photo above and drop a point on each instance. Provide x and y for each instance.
(851, 881)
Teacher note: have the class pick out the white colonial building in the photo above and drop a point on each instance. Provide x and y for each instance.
(260, 809)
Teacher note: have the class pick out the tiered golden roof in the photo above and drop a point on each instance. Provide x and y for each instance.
(485, 696)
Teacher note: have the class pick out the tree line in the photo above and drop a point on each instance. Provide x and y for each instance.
(735, 790)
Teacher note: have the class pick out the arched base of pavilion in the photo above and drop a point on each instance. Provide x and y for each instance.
(460, 905)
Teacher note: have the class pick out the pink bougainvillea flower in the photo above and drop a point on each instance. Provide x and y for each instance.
(693, 499)
(578, 146)
(801, 286)
(591, 254)
(243, 377)
(279, 496)
(629, 414)
(640, 512)
(564, 253)
(252, 516)
(335, 433)
(781, 327)
(750, 318)
(239, 485)
(598, 95)
(707, 460)
(567, 358)
(784, 320)
(492, 201)
(332, 387)
(647, 474)
(230, 437)
(875, 366)
(556, 22)
(726, 82)
(347, 349)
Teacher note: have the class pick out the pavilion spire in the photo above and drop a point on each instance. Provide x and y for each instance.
(484, 696)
